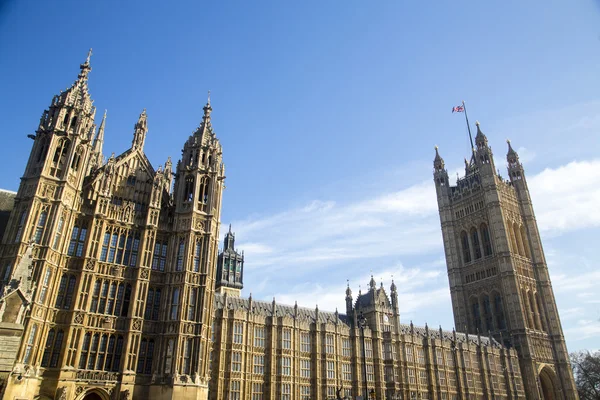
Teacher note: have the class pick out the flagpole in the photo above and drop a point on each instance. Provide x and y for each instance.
(468, 126)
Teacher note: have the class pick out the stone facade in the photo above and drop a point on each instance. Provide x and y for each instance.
(267, 350)
(499, 280)
(114, 272)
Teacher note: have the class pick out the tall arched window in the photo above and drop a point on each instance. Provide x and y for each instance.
(174, 303)
(533, 310)
(487, 242)
(487, 311)
(499, 311)
(77, 158)
(60, 156)
(513, 239)
(189, 189)
(519, 240)
(475, 241)
(169, 356)
(541, 312)
(20, 226)
(30, 343)
(525, 242)
(203, 198)
(180, 255)
(41, 224)
(476, 313)
(43, 149)
(464, 239)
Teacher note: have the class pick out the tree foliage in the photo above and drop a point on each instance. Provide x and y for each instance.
(586, 368)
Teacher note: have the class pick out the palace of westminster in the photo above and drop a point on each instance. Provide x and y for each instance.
(113, 286)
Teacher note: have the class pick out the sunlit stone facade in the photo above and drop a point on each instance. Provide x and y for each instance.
(107, 268)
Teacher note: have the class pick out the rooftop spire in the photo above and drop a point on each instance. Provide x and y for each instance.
(480, 139)
(100, 136)
(85, 69)
(140, 130)
(438, 161)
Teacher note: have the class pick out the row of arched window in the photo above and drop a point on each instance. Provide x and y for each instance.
(476, 243)
(518, 239)
(101, 352)
(111, 298)
(203, 191)
(534, 312)
(488, 312)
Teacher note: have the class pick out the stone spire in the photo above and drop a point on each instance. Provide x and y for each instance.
(99, 140)
(205, 125)
(140, 131)
(480, 139)
(438, 162)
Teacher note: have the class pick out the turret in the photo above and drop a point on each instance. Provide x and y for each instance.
(483, 152)
(394, 298)
(230, 268)
(440, 176)
(140, 131)
(348, 300)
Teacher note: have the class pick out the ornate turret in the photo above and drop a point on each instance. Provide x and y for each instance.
(372, 283)
(483, 152)
(438, 162)
(140, 131)
(515, 168)
(348, 300)
(230, 268)
(97, 158)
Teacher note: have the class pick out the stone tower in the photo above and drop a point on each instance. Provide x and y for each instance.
(107, 274)
(497, 271)
(230, 268)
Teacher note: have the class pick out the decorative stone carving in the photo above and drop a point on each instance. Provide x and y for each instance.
(61, 393)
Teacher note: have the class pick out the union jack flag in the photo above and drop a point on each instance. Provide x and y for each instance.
(458, 109)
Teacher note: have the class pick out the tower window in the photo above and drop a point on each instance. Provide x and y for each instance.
(60, 156)
(476, 315)
(20, 226)
(174, 303)
(487, 309)
(487, 243)
(189, 189)
(39, 230)
(464, 238)
(192, 304)
(180, 255)
(499, 311)
(44, 144)
(475, 240)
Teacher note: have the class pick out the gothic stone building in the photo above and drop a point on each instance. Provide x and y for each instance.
(108, 274)
(113, 288)
(499, 280)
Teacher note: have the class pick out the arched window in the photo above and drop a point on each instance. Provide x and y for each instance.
(487, 242)
(476, 313)
(74, 122)
(59, 232)
(174, 303)
(189, 189)
(180, 255)
(60, 156)
(518, 239)
(66, 120)
(126, 301)
(541, 312)
(20, 226)
(203, 198)
(43, 149)
(499, 311)
(533, 310)
(169, 356)
(475, 241)
(85, 348)
(30, 343)
(52, 349)
(39, 229)
(513, 240)
(66, 288)
(487, 311)
(464, 239)
(525, 242)
(77, 159)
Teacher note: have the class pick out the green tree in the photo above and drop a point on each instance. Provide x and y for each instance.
(586, 368)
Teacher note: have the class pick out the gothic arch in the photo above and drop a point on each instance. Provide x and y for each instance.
(533, 310)
(94, 394)
(549, 385)
(476, 245)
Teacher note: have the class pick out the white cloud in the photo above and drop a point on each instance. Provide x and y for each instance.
(567, 198)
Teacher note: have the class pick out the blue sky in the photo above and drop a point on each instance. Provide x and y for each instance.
(328, 113)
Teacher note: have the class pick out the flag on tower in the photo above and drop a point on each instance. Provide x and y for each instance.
(458, 109)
